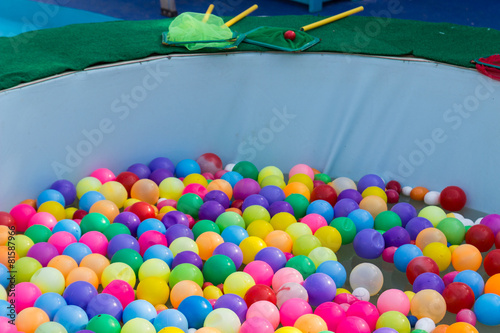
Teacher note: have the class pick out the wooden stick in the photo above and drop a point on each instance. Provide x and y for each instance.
(208, 12)
(240, 16)
(331, 19)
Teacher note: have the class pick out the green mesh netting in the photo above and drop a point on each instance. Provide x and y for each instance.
(189, 30)
(274, 38)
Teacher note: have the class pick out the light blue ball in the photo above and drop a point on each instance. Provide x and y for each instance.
(159, 251)
(322, 208)
(72, 317)
(234, 234)
(50, 195)
(335, 270)
(171, 317)
(362, 219)
(487, 309)
(139, 309)
(69, 226)
(404, 254)
(50, 303)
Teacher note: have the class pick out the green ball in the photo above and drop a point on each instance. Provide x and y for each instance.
(185, 272)
(346, 228)
(453, 229)
(130, 257)
(204, 226)
(395, 320)
(323, 177)
(25, 267)
(217, 268)
(299, 204)
(387, 220)
(303, 264)
(116, 229)
(51, 327)
(190, 203)
(305, 244)
(227, 219)
(94, 222)
(103, 323)
(38, 233)
(255, 212)
(247, 170)
(22, 244)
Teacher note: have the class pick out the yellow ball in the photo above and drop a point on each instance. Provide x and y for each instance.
(171, 188)
(166, 209)
(114, 191)
(154, 267)
(154, 290)
(282, 220)
(259, 228)
(225, 320)
(183, 244)
(54, 208)
(321, 254)
(304, 179)
(433, 213)
(342, 291)
(269, 171)
(440, 253)
(22, 244)
(254, 213)
(395, 320)
(3, 293)
(171, 329)
(118, 271)
(212, 292)
(129, 202)
(273, 180)
(298, 229)
(238, 283)
(70, 211)
(410, 294)
(87, 184)
(288, 329)
(138, 325)
(195, 178)
(250, 246)
(374, 190)
(329, 237)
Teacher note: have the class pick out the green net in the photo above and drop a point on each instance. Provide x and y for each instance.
(189, 30)
(274, 38)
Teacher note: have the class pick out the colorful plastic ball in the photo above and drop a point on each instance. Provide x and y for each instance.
(453, 198)
(374, 205)
(466, 257)
(54, 208)
(66, 188)
(272, 256)
(154, 267)
(154, 290)
(256, 324)
(420, 265)
(260, 271)
(366, 311)
(238, 283)
(143, 210)
(207, 242)
(39, 233)
(293, 309)
(458, 296)
(473, 280)
(492, 263)
(178, 231)
(50, 303)
(331, 313)
(43, 218)
(72, 317)
(350, 194)
(50, 195)
(233, 233)
(481, 237)
(487, 309)
(305, 244)
(321, 254)
(428, 303)
(69, 226)
(151, 224)
(244, 188)
(29, 319)
(79, 293)
(121, 290)
(259, 292)
(369, 244)
(183, 244)
(212, 293)
(187, 167)
(195, 308)
(104, 323)
(460, 327)
(416, 225)
(129, 219)
(138, 325)
(224, 320)
(298, 229)
(20, 215)
(234, 303)
(346, 228)
(49, 279)
(230, 250)
(94, 222)
(83, 274)
(95, 240)
(428, 281)
(368, 276)
(362, 219)
(396, 236)
(118, 271)
(392, 196)
(105, 304)
(217, 268)
(299, 204)
(453, 229)
(228, 219)
(161, 163)
(232, 178)
(439, 253)
(449, 277)
(405, 211)
(466, 316)
(324, 193)
(218, 196)
(43, 252)
(335, 270)
(246, 169)
(51, 327)
(418, 193)
(492, 221)
(24, 269)
(432, 213)
(250, 246)
(329, 237)
(393, 320)
(122, 241)
(288, 329)
(393, 300)
(320, 288)
(161, 252)
(185, 272)
(139, 309)
(303, 264)
(310, 323)
(344, 207)
(387, 220)
(187, 257)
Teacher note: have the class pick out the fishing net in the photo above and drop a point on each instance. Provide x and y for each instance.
(274, 38)
(489, 66)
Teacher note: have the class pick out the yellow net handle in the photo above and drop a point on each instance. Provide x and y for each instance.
(331, 19)
(208, 12)
(240, 16)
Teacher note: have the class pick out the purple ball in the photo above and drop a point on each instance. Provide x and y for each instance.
(405, 211)
(280, 207)
(370, 180)
(43, 252)
(428, 280)
(273, 256)
(343, 207)
(232, 251)
(218, 196)
(255, 200)
(159, 175)
(175, 217)
(67, 189)
(244, 188)
(187, 257)
(122, 241)
(178, 230)
(105, 304)
(396, 236)
(141, 170)
(417, 224)
(130, 220)
(350, 194)
(320, 288)
(272, 193)
(385, 330)
(493, 222)
(210, 210)
(79, 293)
(233, 302)
(162, 163)
(369, 244)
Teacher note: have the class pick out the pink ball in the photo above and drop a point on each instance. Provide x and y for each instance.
(25, 295)
(22, 214)
(332, 313)
(260, 271)
(209, 163)
(266, 310)
(104, 175)
(191, 221)
(302, 168)
(256, 324)
(121, 290)
(150, 238)
(43, 218)
(220, 173)
(392, 196)
(466, 316)
(449, 277)
(96, 241)
(208, 176)
(393, 300)
(290, 290)
(345, 298)
(195, 188)
(317, 183)
(212, 302)
(245, 188)
(166, 202)
(292, 309)
(6, 327)
(353, 325)
(366, 311)
(388, 254)
(288, 255)
(61, 239)
(284, 275)
(314, 221)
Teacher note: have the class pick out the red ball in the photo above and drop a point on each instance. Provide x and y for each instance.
(290, 35)
(492, 263)
(497, 241)
(259, 292)
(317, 183)
(143, 210)
(324, 192)
(481, 237)
(210, 163)
(420, 265)
(237, 204)
(452, 198)
(79, 214)
(393, 185)
(458, 296)
(392, 196)
(7, 220)
(127, 179)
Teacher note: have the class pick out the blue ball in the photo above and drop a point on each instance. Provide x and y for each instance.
(5, 310)
(151, 224)
(404, 254)
(362, 219)
(4, 276)
(369, 244)
(50, 303)
(79, 293)
(88, 199)
(105, 303)
(72, 318)
(473, 279)
(195, 309)
(335, 270)
(50, 195)
(234, 234)
(170, 317)
(139, 309)
(187, 167)
(413, 320)
(77, 251)
(159, 251)
(487, 309)
(232, 177)
(322, 208)
(69, 226)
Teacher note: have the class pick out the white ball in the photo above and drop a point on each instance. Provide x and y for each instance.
(467, 222)
(406, 190)
(361, 293)
(458, 216)
(229, 167)
(160, 200)
(426, 324)
(478, 221)
(431, 198)
(191, 330)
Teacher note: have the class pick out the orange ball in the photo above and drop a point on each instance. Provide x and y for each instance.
(492, 285)
(236, 210)
(221, 185)
(310, 323)
(183, 289)
(373, 204)
(465, 257)
(418, 193)
(428, 236)
(297, 188)
(29, 202)
(82, 274)
(441, 328)
(207, 242)
(460, 327)
(428, 303)
(29, 319)
(208, 330)
(6, 258)
(145, 190)
(107, 208)
(96, 262)
(63, 264)
(279, 239)
(160, 307)
(4, 234)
